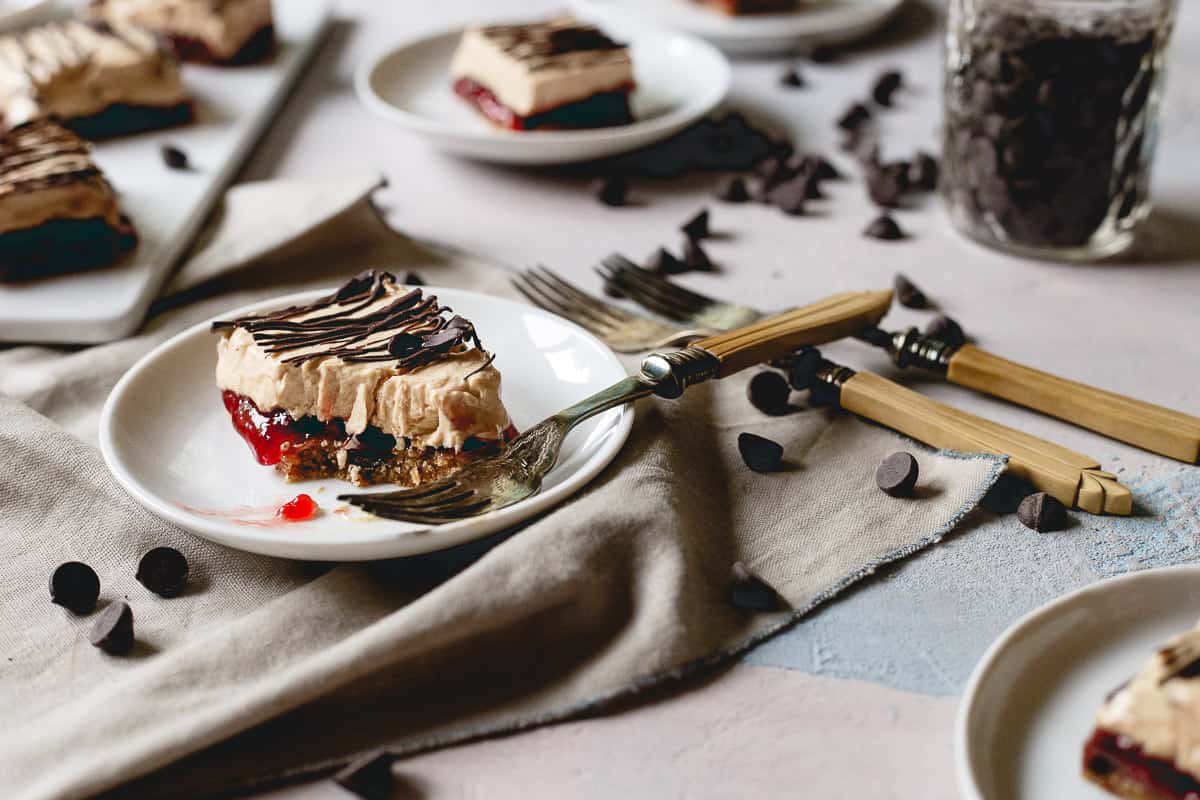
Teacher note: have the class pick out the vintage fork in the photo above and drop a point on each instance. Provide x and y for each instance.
(618, 328)
(1146, 425)
(493, 483)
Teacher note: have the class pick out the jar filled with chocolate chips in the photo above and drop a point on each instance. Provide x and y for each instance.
(1051, 121)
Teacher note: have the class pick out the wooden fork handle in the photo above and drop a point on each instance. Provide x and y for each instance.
(1150, 427)
(835, 317)
(1073, 478)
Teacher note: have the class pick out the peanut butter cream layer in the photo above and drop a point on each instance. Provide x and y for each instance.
(222, 26)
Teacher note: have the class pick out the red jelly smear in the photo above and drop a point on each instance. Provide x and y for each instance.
(268, 433)
(1107, 753)
(598, 111)
(298, 509)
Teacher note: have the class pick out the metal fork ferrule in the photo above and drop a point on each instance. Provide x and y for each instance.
(910, 348)
(834, 375)
(671, 373)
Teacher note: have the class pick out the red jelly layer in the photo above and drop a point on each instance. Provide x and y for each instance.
(1107, 755)
(602, 110)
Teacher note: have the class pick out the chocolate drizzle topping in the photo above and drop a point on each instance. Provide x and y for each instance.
(372, 318)
(554, 43)
(1181, 660)
(42, 154)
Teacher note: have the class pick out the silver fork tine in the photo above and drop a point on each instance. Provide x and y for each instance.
(538, 297)
(618, 314)
(427, 505)
(591, 308)
(649, 297)
(695, 301)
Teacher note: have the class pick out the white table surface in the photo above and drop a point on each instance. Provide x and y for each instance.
(860, 698)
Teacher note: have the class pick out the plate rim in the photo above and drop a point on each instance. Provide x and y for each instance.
(391, 539)
(968, 783)
(634, 133)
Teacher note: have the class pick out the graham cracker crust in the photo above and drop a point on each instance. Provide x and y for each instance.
(318, 459)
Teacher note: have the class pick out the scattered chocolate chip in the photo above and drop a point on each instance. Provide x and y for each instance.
(769, 393)
(75, 586)
(802, 368)
(663, 263)
(164, 571)
(897, 475)
(885, 86)
(413, 279)
(887, 183)
(175, 158)
(885, 228)
(733, 190)
(791, 78)
(760, 454)
(1042, 512)
(945, 329)
(825, 170)
(907, 292)
(695, 257)
(611, 190)
(696, 228)
(113, 631)
(790, 197)
(822, 54)
(369, 777)
(748, 592)
(854, 117)
(923, 172)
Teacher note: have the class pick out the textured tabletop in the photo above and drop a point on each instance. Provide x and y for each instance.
(861, 695)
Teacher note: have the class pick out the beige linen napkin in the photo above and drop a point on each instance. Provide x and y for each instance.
(266, 668)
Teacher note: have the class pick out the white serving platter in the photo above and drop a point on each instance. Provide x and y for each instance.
(167, 438)
(234, 105)
(679, 80)
(1031, 703)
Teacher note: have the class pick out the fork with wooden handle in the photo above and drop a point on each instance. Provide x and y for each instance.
(516, 473)
(1136, 422)
(1075, 479)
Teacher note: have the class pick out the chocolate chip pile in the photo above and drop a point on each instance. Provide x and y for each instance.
(1045, 134)
(76, 587)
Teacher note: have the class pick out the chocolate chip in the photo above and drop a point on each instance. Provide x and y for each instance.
(897, 475)
(885, 228)
(611, 190)
(760, 454)
(369, 777)
(907, 292)
(164, 571)
(405, 344)
(854, 117)
(822, 54)
(885, 86)
(696, 228)
(945, 329)
(887, 183)
(663, 263)
(748, 592)
(790, 197)
(733, 190)
(113, 631)
(825, 170)
(923, 172)
(413, 279)
(803, 368)
(695, 257)
(75, 586)
(1042, 512)
(791, 78)
(769, 393)
(175, 158)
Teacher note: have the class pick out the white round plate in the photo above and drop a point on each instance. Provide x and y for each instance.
(167, 438)
(1030, 705)
(680, 79)
(824, 21)
(19, 13)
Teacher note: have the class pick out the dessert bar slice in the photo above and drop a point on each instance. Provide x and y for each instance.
(57, 212)
(100, 80)
(555, 74)
(1146, 744)
(375, 383)
(227, 32)
(737, 7)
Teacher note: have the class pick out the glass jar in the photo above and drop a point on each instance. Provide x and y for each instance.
(1051, 111)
